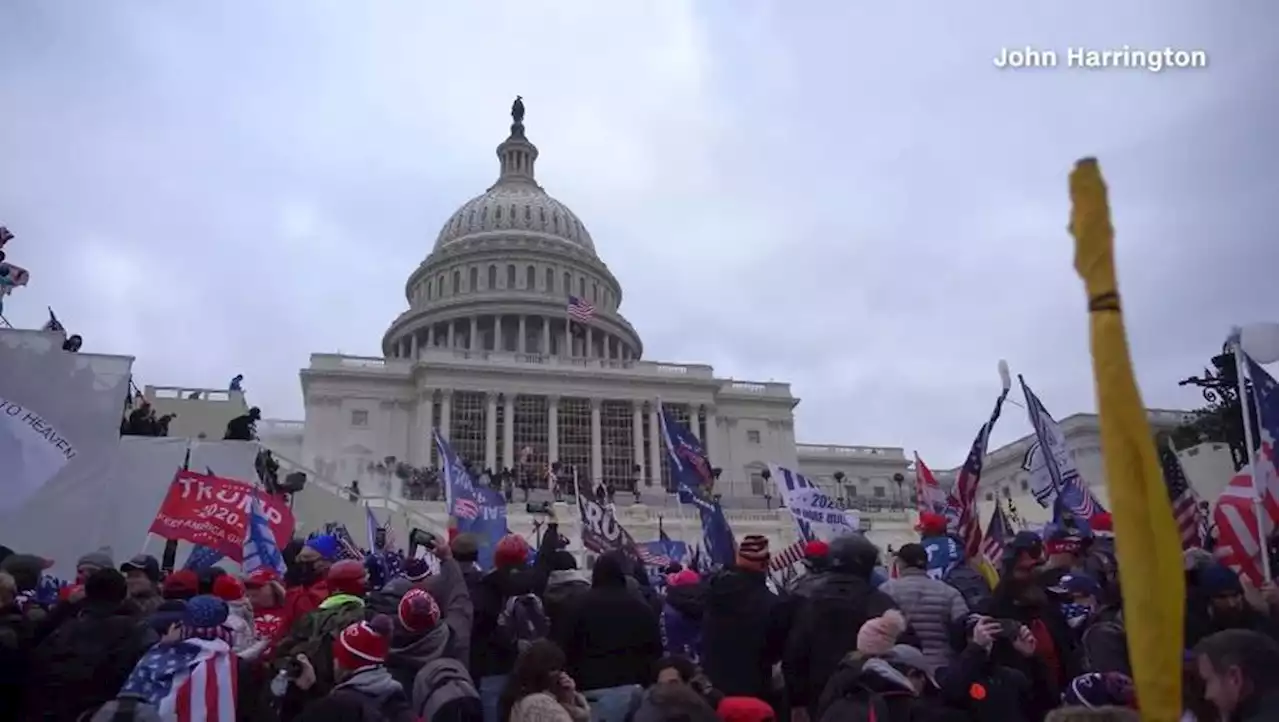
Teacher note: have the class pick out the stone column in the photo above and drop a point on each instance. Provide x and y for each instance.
(637, 436)
(423, 440)
(431, 336)
(509, 430)
(586, 343)
(553, 429)
(597, 447)
(498, 344)
(546, 336)
(693, 421)
(655, 447)
(446, 412)
(453, 334)
(490, 430)
(711, 435)
(521, 344)
(567, 351)
(473, 342)
(413, 345)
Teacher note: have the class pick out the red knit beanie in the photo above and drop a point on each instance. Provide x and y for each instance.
(931, 524)
(228, 588)
(744, 709)
(347, 577)
(418, 611)
(511, 551)
(363, 644)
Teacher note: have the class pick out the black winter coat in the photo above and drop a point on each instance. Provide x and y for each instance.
(611, 638)
(743, 634)
(489, 654)
(974, 682)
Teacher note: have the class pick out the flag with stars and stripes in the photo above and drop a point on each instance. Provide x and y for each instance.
(993, 541)
(1266, 409)
(579, 310)
(962, 503)
(1185, 503)
(459, 489)
(260, 548)
(347, 548)
(190, 681)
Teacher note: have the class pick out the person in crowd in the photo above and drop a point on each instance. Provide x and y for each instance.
(1217, 603)
(677, 669)
(92, 562)
(611, 641)
(385, 598)
(565, 584)
(888, 685)
(539, 690)
(243, 427)
(266, 598)
(142, 573)
(1098, 714)
(674, 702)
(933, 606)
(431, 625)
(1239, 670)
(85, 660)
(682, 615)
(948, 562)
(305, 578)
(28, 572)
(1095, 690)
(180, 585)
(816, 562)
(1020, 597)
(743, 625)
(363, 690)
(17, 634)
(1064, 554)
(316, 633)
(996, 675)
(494, 647)
(169, 613)
(244, 633)
(826, 623)
(237, 383)
(1098, 628)
(196, 646)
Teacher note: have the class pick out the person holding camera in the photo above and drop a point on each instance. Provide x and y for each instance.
(364, 690)
(997, 674)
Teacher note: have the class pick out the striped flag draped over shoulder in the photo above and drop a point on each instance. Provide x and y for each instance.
(190, 681)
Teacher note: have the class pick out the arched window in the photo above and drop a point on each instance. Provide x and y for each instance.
(511, 275)
(429, 290)
(440, 285)
(582, 287)
(551, 281)
(473, 279)
(530, 278)
(595, 293)
(457, 281)
(568, 284)
(493, 276)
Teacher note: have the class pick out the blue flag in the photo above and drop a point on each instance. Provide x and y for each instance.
(1057, 482)
(202, 558)
(691, 471)
(478, 510)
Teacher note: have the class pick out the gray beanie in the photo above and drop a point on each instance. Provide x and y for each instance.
(100, 559)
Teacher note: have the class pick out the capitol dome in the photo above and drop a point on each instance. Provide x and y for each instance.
(503, 270)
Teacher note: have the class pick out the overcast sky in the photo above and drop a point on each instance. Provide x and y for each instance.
(846, 197)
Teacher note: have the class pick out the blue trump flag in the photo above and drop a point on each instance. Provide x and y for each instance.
(691, 471)
(478, 510)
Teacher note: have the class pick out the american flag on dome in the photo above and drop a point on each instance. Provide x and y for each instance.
(580, 310)
(191, 681)
(993, 541)
(1182, 498)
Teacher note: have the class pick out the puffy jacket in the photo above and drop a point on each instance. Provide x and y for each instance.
(931, 606)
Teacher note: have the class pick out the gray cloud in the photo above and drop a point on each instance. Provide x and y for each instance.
(845, 197)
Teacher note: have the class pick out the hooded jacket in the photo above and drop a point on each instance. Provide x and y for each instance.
(450, 638)
(743, 633)
(489, 654)
(612, 637)
(372, 689)
(563, 589)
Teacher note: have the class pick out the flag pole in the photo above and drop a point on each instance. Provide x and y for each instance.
(1260, 516)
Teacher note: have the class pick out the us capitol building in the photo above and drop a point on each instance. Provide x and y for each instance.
(487, 352)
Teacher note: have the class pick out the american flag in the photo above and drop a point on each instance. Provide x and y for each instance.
(650, 559)
(580, 310)
(1236, 516)
(191, 681)
(1185, 503)
(964, 499)
(347, 548)
(460, 491)
(998, 530)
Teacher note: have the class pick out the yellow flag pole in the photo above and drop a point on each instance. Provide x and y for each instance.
(1148, 549)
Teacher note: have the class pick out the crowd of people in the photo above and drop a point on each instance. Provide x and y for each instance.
(537, 639)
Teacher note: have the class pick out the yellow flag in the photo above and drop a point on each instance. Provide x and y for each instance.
(1148, 548)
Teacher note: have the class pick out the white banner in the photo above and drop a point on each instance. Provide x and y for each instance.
(60, 415)
(815, 512)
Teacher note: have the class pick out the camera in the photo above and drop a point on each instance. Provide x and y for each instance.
(538, 507)
(421, 538)
(1010, 628)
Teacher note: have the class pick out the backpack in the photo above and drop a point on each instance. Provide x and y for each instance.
(523, 621)
(847, 699)
(314, 636)
(443, 692)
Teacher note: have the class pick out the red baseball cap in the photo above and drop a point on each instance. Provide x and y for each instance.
(260, 577)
